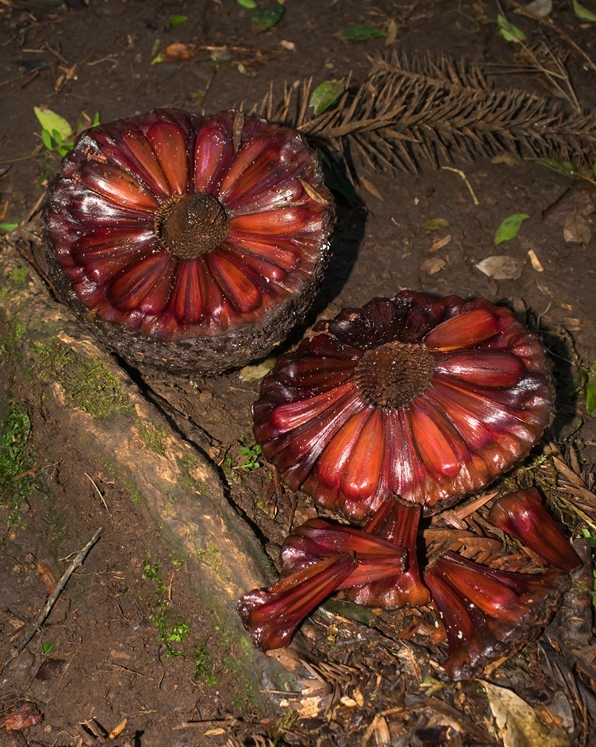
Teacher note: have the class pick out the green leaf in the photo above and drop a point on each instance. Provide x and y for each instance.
(51, 121)
(46, 648)
(177, 21)
(591, 391)
(509, 228)
(324, 95)
(267, 18)
(508, 31)
(46, 139)
(360, 33)
(8, 227)
(247, 4)
(583, 13)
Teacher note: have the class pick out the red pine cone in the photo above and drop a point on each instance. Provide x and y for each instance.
(192, 243)
(426, 399)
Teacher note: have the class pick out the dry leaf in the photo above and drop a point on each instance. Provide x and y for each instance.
(540, 8)
(577, 229)
(176, 52)
(258, 371)
(440, 243)
(391, 33)
(47, 577)
(517, 723)
(501, 267)
(506, 158)
(309, 707)
(433, 265)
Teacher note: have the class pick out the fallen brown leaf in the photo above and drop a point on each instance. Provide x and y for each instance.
(47, 577)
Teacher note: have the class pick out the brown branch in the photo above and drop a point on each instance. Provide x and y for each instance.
(76, 562)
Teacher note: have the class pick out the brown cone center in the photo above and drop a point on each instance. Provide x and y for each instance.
(191, 225)
(391, 375)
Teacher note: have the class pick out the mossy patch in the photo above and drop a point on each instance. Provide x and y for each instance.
(87, 384)
(125, 479)
(155, 436)
(16, 279)
(17, 461)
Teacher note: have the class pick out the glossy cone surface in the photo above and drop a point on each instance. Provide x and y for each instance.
(189, 242)
(489, 614)
(426, 399)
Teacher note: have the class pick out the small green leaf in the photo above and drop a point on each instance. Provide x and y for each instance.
(591, 391)
(509, 228)
(46, 648)
(360, 33)
(51, 121)
(8, 227)
(247, 4)
(324, 95)
(46, 139)
(508, 31)
(583, 13)
(267, 18)
(177, 21)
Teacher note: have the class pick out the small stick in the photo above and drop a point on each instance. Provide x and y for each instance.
(77, 561)
(466, 182)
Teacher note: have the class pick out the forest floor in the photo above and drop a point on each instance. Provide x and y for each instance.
(127, 656)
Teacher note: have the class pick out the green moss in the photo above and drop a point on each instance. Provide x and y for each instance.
(155, 436)
(88, 384)
(126, 481)
(239, 662)
(210, 557)
(15, 329)
(18, 276)
(17, 460)
(170, 629)
(204, 667)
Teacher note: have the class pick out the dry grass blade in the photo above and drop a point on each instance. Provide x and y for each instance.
(408, 111)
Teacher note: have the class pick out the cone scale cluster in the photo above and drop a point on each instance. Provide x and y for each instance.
(198, 240)
(195, 244)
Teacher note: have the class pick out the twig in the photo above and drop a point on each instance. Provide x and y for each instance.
(99, 493)
(77, 561)
(466, 182)
(549, 23)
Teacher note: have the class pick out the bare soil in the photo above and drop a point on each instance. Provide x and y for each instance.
(127, 647)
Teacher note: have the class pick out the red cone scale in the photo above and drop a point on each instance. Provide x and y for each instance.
(427, 399)
(272, 615)
(522, 516)
(190, 242)
(489, 614)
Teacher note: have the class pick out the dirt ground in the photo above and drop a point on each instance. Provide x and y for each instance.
(127, 656)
